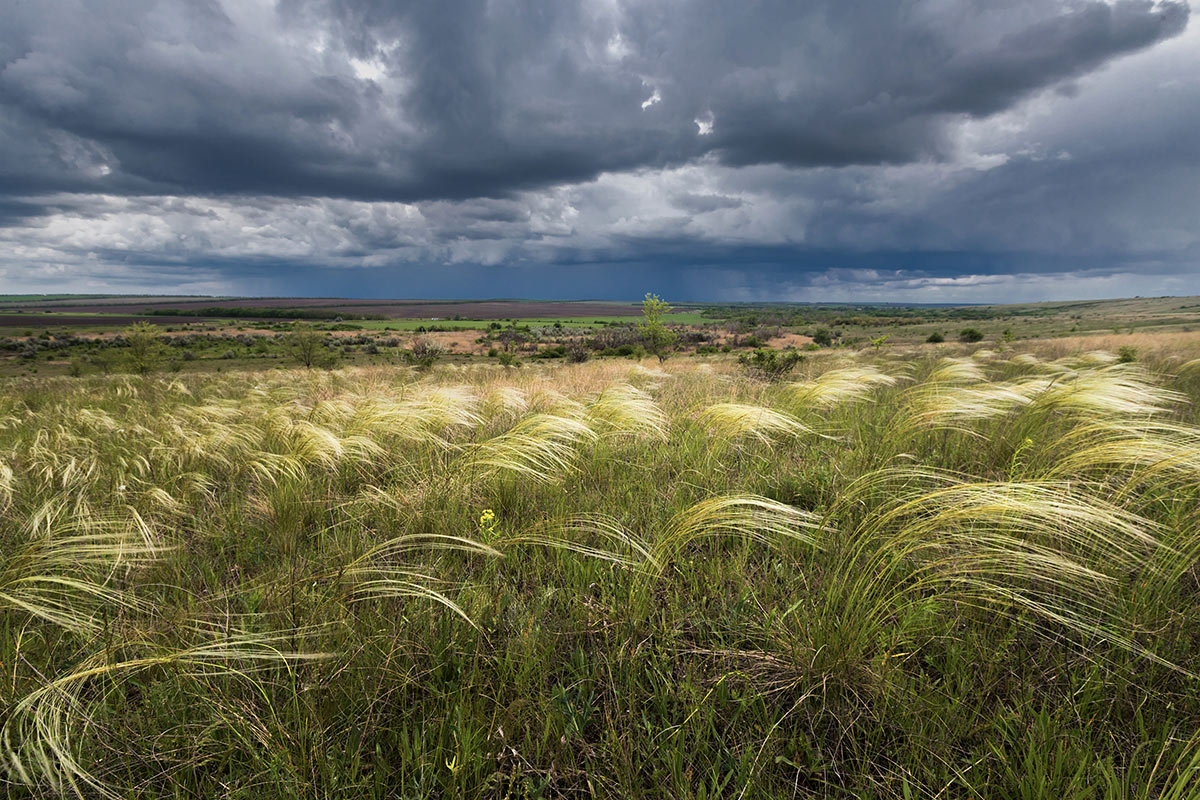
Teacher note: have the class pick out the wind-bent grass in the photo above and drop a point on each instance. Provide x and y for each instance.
(962, 407)
(381, 572)
(66, 569)
(1046, 549)
(956, 370)
(1121, 390)
(43, 731)
(735, 421)
(749, 517)
(624, 410)
(540, 448)
(1153, 450)
(600, 579)
(617, 545)
(838, 386)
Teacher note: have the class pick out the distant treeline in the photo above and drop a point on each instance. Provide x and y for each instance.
(246, 312)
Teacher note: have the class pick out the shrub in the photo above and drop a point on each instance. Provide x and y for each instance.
(1126, 354)
(577, 352)
(823, 337)
(770, 364)
(936, 338)
(970, 335)
(424, 353)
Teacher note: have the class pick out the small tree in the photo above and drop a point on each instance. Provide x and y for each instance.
(145, 351)
(653, 327)
(307, 347)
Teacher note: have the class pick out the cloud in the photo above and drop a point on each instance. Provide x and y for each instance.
(771, 149)
(379, 100)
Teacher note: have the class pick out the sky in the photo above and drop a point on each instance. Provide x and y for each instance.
(769, 150)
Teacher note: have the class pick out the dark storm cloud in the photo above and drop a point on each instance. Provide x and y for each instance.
(459, 99)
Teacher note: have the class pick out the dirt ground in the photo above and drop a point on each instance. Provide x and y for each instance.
(789, 340)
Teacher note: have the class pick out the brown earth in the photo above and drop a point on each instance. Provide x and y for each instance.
(788, 340)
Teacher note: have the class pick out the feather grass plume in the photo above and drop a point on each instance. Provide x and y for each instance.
(505, 401)
(1149, 450)
(956, 370)
(741, 516)
(43, 732)
(7, 483)
(382, 573)
(540, 448)
(1189, 368)
(960, 407)
(1046, 550)
(1120, 390)
(65, 570)
(594, 536)
(624, 410)
(837, 386)
(735, 421)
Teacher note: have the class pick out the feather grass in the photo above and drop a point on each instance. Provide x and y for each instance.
(624, 410)
(837, 387)
(736, 421)
(541, 448)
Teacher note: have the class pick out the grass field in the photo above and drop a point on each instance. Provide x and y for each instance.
(913, 572)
